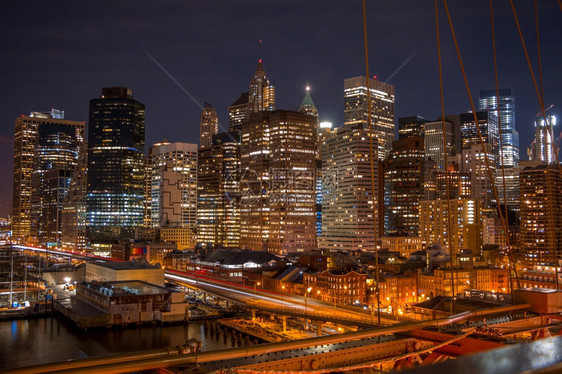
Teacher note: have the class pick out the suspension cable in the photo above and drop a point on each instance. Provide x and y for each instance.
(506, 232)
(372, 158)
(480, 137)
(445, 160)
(543, 113)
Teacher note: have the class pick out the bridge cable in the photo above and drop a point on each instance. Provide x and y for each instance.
(543, 113)
(480, 137)
(446, 161)
(506, 226)
(372, 159)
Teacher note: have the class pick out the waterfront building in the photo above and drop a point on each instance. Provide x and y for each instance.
(411, 126)
(174, 185)
(115, 166)
(277, 182)
(348, 197)
(541, 216)
(43, 141)
(208, 126)
(218, 198)
(112, 271)
(403, 187)
(356, 111)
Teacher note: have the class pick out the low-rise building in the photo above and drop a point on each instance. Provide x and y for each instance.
(111, 271)
(336, 287)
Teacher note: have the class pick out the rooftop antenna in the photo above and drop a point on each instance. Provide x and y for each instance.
(259, 50)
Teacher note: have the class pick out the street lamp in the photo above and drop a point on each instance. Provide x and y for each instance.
(255, 285)
(305, 298)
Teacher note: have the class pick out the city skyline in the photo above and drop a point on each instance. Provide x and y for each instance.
(65, 55)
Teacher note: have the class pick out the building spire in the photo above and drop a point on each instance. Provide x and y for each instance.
(307, 104)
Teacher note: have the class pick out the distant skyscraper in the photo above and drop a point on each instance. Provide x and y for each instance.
(541, 147)
(278, 165)
(382, 109)
(237, 112)
(541, 216)
(115, 166)
(209, 126)
(411, 126)
(403, 187)
(347, 192)
(43, 141)
(473, 162)
(433, 142)
(261, 94)
(505, 103)
(488, 124)
(218, 198)
(174, 185)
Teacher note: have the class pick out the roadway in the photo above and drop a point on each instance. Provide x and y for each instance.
(254, 298)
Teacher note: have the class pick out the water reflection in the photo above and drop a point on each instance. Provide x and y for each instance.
(38, 341)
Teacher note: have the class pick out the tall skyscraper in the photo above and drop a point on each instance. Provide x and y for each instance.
(541, 149)
(411, 126)
(115, 166)
(403, 187)
(261, 94)
(237, 113)
(307, 104)
(503, 107)
(541, 216)
(348, 197)
(218, 198)
(382, 109)
(43, 141)
(174, 185)
(278, 165)
(208, 125)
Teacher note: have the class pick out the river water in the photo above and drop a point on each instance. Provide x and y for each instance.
(43, 340)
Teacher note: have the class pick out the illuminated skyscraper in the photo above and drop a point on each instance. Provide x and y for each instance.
(403, 187)
(218, 198)
(209, 126)
(382, 109)
(43, 141)
(488, 124)
(307, 104)
(277, 182)
(541, 213)
(174, 185)
(541, 147)
(505, 103)
(261, 94)
(115, 166)
(347, 192)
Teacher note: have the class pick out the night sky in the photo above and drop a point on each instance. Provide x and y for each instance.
(59, 54)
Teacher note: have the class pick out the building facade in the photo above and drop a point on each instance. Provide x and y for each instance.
(208, 126)
(403, 187)
(277, 182)
(356, 110)
(218, 198)
(115, 166)
(348, 198)
(43, 141)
